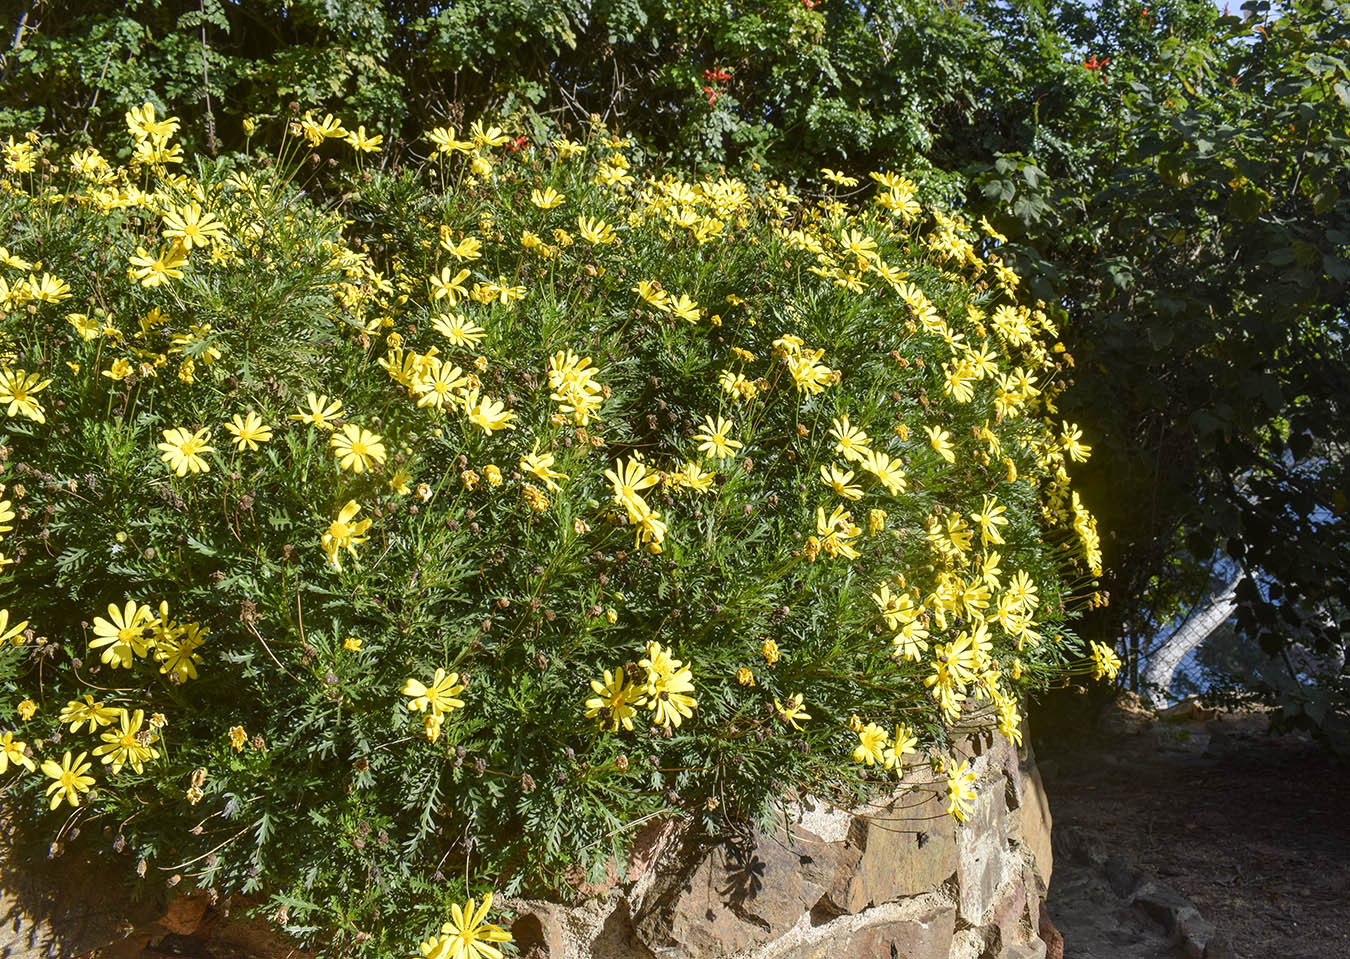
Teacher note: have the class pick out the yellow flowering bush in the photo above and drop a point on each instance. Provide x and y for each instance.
(375, 532)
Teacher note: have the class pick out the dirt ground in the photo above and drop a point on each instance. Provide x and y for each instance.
(1253, 828)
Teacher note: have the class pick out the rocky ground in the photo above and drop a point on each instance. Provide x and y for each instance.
(1250, 827)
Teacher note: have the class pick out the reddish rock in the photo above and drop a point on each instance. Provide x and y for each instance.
(1189, 709)
(1054, 941)
(1009, 912)
(651, 841)
(184, 914)
(577, 878)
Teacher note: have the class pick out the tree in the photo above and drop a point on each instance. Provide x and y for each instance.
(1199, 624)
(1211, 284)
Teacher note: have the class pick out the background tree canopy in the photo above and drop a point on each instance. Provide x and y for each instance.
(1180, 176)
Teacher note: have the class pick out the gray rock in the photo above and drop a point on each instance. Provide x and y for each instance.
(1124, 878)
(915, 929)
(1164, 905)
(1077, 846)
(1033, 949)
(1195, 932)
(982, 854)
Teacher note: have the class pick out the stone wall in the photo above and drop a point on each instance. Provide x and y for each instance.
(898, 879)
(67, 910)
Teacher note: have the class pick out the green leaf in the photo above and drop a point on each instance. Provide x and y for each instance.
(1324, 196)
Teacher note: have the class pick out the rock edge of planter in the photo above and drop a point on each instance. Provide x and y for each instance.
(894, 878)
(897, 877)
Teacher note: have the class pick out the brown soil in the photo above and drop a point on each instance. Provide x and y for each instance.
(1253, 828)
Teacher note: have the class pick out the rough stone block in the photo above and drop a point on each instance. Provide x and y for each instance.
(919, 937)
(62, 908)
(1034, 822)
(970, 944)
(1033, 949)
(1195, 932)
(612, 938)
(1023, 760)
(908, 846)
(919, 928)
(1077, 846)
(820, 819)
(1165, 906)
(741, 894)
(1009, 912)
(597, 928)
(184, 915)
(648, 846)
(981, 855)
(1124, 878)
(540, 932)
(990, 752)
(1052, 937)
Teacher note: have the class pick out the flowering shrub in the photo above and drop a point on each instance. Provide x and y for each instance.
(363, 553)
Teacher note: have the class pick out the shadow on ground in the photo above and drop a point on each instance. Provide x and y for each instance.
(1251, 827)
